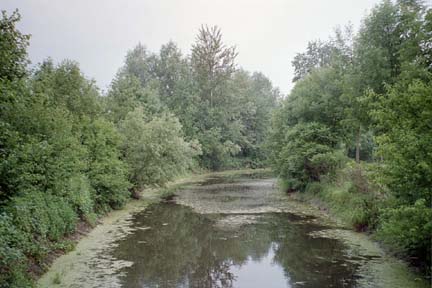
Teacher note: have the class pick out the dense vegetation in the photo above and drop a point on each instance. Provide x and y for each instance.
(69, 153)
(356, 130)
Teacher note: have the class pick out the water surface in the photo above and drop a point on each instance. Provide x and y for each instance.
(244, 244)
(226, 231)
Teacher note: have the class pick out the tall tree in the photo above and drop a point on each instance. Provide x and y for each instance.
(140, 63)
(13, 47)
(318, 54)
(213, 62)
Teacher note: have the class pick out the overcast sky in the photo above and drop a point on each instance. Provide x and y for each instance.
(98, 33)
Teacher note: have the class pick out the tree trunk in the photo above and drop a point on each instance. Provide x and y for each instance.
(358, 145)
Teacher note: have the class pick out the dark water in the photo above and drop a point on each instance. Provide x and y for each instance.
(185, 249)
(175, 247)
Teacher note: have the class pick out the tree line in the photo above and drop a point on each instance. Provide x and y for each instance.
(69, 153)
(356, 129)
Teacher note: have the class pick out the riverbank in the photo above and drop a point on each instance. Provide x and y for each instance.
(353, 199)
(406, 274)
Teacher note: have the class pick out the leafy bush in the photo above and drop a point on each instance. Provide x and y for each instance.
(43, 215)
(12, 259)
(81, 195)
(217, 153)
(308, 154)
(358, 210)
(106, 172)
(314, 188)
(408, 229)
(28, 231)
(156, 150)
(404, 118)
(42, 154)
(345, 196)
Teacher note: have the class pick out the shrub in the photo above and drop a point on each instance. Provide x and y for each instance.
(156, 150)
(45, 216)
(408, 229)
(81, 195)
(107, 173)
(314, 188)
(28, 230)
(308, 154)
(346, 197)
(12, 258)
(216, 152)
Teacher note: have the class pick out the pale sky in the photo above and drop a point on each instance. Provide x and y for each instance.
(98, 33)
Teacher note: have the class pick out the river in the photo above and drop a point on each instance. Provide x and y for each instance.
(227, 230)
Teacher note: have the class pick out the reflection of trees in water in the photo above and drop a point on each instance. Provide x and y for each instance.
(178, 254)
(191, 252)
(217, 275)
(313, 260)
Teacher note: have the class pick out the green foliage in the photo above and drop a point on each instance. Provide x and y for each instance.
(59, 159)
(42, 160)
(80, 195)
(44, 216)
(349, 196)
(318, 54)
(212, 62)
(216, 152)
(226, 110)
(317, 98)
(13, 47)
(356, 209)
(155, 150)
(376, 48)
(107, 173)
(67, 153)
(256, 98)
(65, 86)
(404, 118)
(126, 94)
(372, 92)
(12, 258)
(28, 228)
(140, 63)
(408, 229)
(308, 153)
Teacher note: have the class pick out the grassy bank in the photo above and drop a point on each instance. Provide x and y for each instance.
(349, 196)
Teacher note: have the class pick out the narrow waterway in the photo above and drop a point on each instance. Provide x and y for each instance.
(235, 231)
(176, 247)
